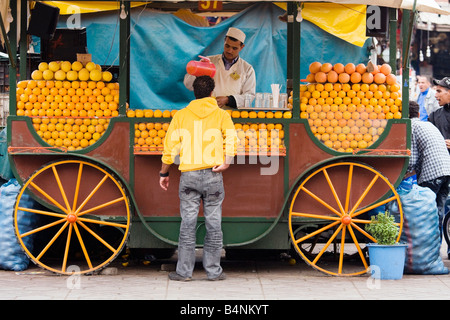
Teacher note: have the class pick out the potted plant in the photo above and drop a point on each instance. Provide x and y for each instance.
(387, 257)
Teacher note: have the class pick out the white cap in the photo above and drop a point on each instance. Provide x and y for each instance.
(236, 33)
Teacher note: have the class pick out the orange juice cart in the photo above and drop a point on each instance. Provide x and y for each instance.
(305, 177)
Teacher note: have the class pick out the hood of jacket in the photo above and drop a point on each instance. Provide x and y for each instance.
(202, 108)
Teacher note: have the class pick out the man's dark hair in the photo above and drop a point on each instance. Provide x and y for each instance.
(413, 109)
(233, 39)
(203, 87)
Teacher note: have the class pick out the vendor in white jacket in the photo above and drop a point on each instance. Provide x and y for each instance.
(234, 76)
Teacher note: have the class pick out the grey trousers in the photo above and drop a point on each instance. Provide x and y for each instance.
(195, 187)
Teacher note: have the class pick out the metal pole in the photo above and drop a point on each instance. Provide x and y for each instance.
(124, 59)
(393, 38)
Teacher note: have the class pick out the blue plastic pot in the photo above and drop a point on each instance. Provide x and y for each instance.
(387, 261)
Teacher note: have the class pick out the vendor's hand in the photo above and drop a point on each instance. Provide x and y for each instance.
(221, 168)
(222, 101)
(164, 183)
(447, 142)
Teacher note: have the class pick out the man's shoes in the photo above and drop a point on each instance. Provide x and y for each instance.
(176, 277)
(222, 276)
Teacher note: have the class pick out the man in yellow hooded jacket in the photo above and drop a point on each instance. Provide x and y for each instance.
(204, 138)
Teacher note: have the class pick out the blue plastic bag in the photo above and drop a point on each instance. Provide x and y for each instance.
(12, 257)
(420, 230)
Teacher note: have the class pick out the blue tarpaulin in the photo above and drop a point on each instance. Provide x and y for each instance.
(162, 44)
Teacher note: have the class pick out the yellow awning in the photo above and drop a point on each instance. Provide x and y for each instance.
(345, 21)
(71, 7)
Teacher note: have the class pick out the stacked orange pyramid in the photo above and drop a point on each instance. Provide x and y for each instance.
(347, 107)
(70, 103)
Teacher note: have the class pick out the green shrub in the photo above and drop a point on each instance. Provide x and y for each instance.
(383, 229)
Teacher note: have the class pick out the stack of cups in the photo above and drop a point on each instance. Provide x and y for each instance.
(275, 94)
(258, 100)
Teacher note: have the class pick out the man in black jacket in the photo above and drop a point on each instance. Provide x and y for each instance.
(441, 117)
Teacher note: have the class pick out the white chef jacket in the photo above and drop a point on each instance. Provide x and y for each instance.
(238, 81)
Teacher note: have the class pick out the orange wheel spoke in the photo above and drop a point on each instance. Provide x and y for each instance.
(101, 206)
(52, 241)
(26, 234)
(77, 187)
(341, 255)
(326, 205)
(361, 198)
(48, 197)
(47, 213)
(331, 225)
(91, 194)
(58, 181)
(363, 232)
(96, 236)
(106, 223)
(376, 205)
(333, 190)
(349, 187)
(360, 221)
(361, 255)
(327, 244)
(66, 250)
(316, 216)
(83, 247)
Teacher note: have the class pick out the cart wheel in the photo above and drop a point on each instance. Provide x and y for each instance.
(329, 210)
(84, 222)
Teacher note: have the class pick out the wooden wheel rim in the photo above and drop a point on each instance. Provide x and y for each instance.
(71, 217)
(343, 220)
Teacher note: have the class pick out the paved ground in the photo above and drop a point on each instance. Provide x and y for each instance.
(254, 280)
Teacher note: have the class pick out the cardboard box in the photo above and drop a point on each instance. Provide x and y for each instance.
(84, 58)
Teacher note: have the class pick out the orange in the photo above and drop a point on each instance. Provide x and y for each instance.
(362, 144)
(253, 114)
(344, 77)
(326, 67)
(367, 77)
(332, 76)
(385, 69)
(337, 87)
(315, 67)
(320, 77)
(350, 68)
(379, 78)
(394, 87)
(161, 133)
(361, 68)
(310, 78)
(347, 115)
(339, 68)
(391, 79)
(397, 115)
(355, 77)
(394, 95)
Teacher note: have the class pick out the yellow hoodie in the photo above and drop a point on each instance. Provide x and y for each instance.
(199, 133)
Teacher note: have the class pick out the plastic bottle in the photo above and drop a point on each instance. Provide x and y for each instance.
(201, 68)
